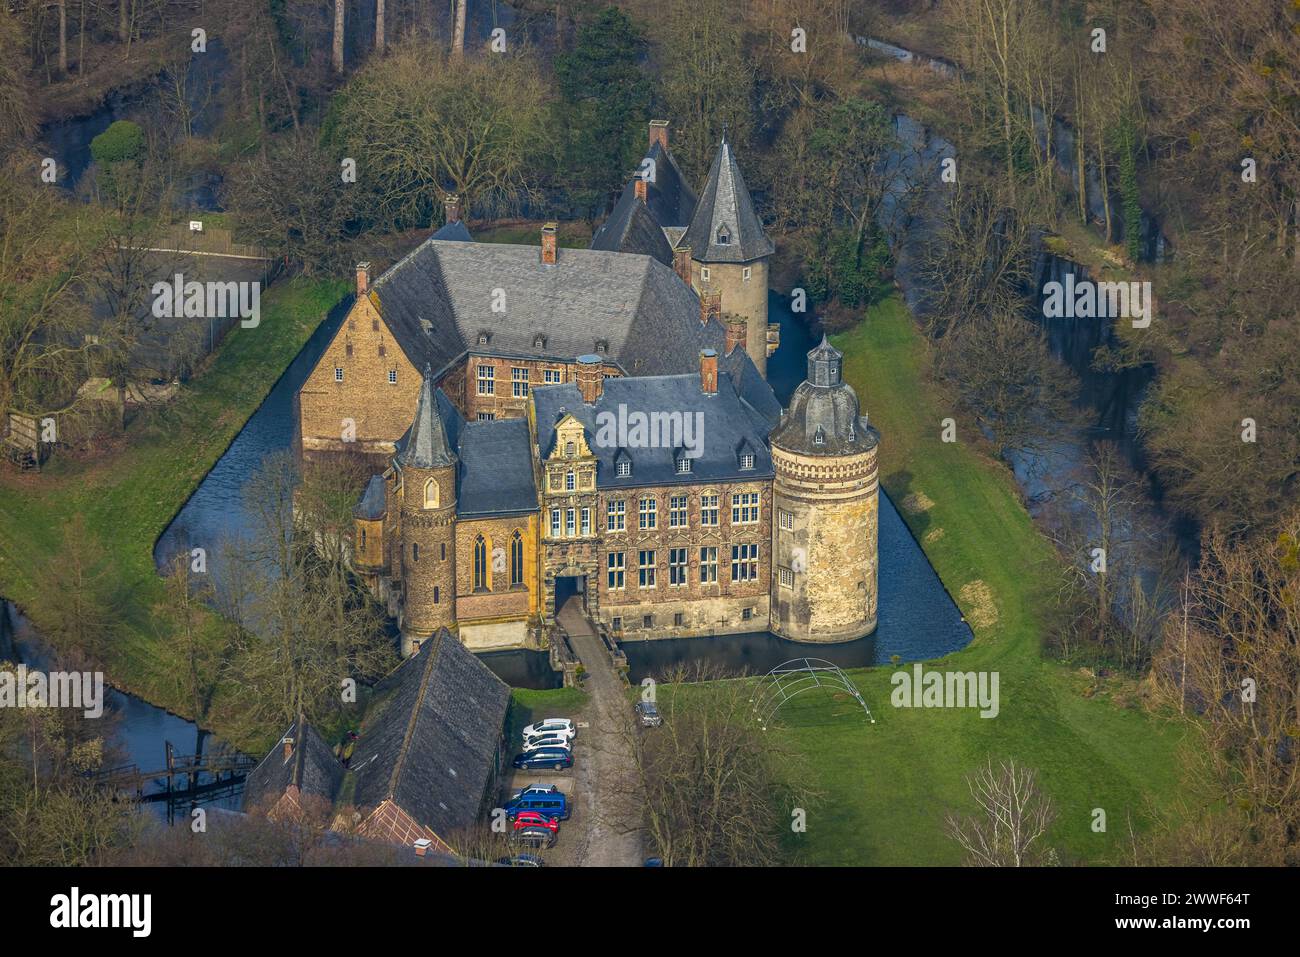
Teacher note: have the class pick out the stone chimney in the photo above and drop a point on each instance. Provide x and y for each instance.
(363, 279)
(642, 187)
(659, 133)
(682, 263)
(590, 378)
(708, 372)
(451, 206)
(737, 332)
(288, 746)
(548, 244)
(710, 306)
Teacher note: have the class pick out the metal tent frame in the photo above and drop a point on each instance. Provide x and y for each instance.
(792, 678)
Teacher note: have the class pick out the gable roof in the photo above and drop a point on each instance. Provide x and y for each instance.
(631, 228)
(431, 737)
(439, 297)
(456, 232)
(311, 767)
(373, 503)
(726, 206)
(669, 197)
(726, 424)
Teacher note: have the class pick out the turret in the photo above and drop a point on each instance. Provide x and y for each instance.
(826, 495)
(426, 470)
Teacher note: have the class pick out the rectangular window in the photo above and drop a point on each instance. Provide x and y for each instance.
(746, 461)
(786, 519)
(679, 619)
(555, 523)
(487, 416)
(744, 563)
(519, 382)
(647, 514)
(624, 468)
(676, 566)
(677, 511)
(709, 565)
(569, 517)
(709, 510)
(551, 376)
(683, 466)
(570, 481)
(616, 516)
(646, 568)
(338, 373)
(586, 521)
(787, 578)
(487, 380)
(704, 273)
(392, 377)
(616, 624)
(616, 569)
(745, 274)
(647, 621)
(744, 508)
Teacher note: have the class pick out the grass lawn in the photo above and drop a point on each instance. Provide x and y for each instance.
(884, 788)
(128, 497)
(528, 705)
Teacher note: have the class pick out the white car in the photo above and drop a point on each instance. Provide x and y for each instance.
(551, 726)
(547, 741)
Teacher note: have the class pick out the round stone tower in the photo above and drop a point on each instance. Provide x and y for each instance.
(426, 468)
(824, 527)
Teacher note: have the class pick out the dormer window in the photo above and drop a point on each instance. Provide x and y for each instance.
(602, 346)
(819, 437)
(483, 338)
(539, 341)
(724, 236)
(683, 465)
(746, 460)
(623, 468)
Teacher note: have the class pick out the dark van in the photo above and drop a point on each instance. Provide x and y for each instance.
(554, 806)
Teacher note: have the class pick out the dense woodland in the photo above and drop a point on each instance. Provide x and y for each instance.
(1186, 113)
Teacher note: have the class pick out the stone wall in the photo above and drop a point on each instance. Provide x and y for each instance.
(741, 297)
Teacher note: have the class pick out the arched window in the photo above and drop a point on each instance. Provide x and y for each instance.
(516, 559)
(431, 493)
(481, 580)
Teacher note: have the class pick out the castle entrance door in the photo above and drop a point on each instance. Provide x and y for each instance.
(571, 587)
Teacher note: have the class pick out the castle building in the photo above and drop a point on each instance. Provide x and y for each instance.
(596, 425)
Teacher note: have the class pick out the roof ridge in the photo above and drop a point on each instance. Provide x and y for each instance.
(400, 764)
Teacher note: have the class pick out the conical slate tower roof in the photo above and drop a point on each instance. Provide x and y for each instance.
(725, 228)
(426, 443)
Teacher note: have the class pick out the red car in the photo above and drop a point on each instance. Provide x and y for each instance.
(536, 819)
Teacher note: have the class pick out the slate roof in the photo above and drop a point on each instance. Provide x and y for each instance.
(456, 232)
(728, 423)
(726, 205)
(431, 737)
(373, 504)
(669, 197)
(425, 445)
(312, 767)
(496, 471)
(438, 298)
(631, 228)
(824, 416)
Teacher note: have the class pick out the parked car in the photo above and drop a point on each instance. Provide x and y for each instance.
(548, 741)
(555, 758)
(551, 726)
(535, 789)
(535, 819)
(534, 837)
(522, 860)
(552, 804)
(648, 714)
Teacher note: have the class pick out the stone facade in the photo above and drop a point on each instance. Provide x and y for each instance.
(743, 287)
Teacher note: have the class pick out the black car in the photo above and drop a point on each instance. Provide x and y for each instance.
(648, 714)
(555, 758)
(522, 860)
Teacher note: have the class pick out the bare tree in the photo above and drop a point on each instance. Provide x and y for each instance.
(1011, 829)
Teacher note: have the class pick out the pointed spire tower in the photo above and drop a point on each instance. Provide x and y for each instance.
(730, 251)
(426, 465)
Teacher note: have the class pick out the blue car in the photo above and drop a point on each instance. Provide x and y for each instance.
(553, 805)
(555, 758)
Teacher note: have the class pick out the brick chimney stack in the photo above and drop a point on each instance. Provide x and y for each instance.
(708, 372)
(710, 306)
(288, 747)
(548, 244)
(642, 187)
(682, 263)
(363, 279)
(590, 378)
(451, 205)
(659, 133)
(737, 332)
